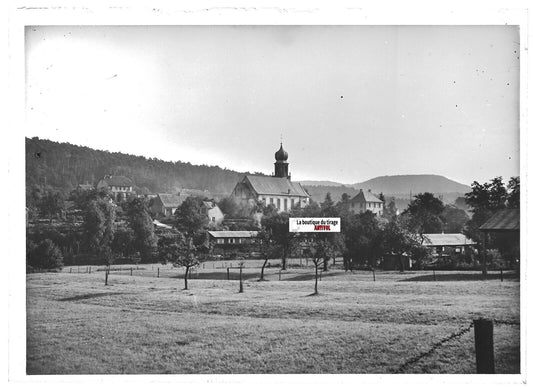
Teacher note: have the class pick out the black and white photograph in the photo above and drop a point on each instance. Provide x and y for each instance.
(165, 164)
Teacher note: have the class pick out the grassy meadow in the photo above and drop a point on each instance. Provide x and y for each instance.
(142, 324)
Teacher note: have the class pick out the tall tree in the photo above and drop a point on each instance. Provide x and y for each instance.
(362, 238)
(513, 189)
(390, 211)
(424, 213)
(51, 204)
(189, 216)
(278, 226)
(145, 240)
(99, 228)
(454, 219)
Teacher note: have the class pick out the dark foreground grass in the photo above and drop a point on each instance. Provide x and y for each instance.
(146, 325)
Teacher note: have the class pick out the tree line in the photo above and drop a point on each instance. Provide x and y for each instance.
(108, 231)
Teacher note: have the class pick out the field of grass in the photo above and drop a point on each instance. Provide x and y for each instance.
(141, 324)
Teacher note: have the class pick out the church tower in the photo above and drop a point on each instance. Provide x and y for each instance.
(281, 166)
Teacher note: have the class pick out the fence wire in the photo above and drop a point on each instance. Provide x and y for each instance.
(434, 347)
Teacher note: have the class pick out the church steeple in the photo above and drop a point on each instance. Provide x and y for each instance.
(281, 166)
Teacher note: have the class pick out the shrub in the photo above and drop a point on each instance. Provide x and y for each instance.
(45, 255)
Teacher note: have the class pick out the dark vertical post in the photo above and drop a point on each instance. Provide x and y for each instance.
(240, 280)
(131, 271)
(70, 270)
(106, 275)
(483, 332)
(374, 274)
(280, 274)
(501, 274)
(484, 266)
(227, 269)
(89, 270)
(157, 272)
(434, 276)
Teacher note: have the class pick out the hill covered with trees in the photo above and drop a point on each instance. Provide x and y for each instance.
(62, 166)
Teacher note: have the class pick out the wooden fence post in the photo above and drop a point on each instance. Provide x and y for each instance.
(89, 270)
(240, 281)
(501, 274)
(157, 272)
(483, 333)
(131, 271)
(106, 275)
(227, 270)
(70, 270)
(374, 274)
(434, 276)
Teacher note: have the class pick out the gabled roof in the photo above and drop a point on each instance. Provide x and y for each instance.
(232, 234)
(503, 220)
(171, 200)
(118, 180)
(209, 204)
(365, 197)
(446, 240)
(264, 185)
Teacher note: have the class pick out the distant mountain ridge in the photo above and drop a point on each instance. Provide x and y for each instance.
(413, 183)
(401, 184)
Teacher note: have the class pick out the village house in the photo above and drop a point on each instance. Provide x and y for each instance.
(447, 244)
(165, 204)
(366, 201)
(213, 213)
(231, 240)
(277, 190)
(121, 187)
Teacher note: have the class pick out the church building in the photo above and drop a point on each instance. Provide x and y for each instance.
(277, 190)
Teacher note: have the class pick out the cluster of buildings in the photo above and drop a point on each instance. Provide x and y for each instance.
(278, 191)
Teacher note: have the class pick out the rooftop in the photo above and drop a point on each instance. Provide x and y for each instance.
(503, 220)
(264, 185)
(446, 240)
(365, 197)
(233, 234)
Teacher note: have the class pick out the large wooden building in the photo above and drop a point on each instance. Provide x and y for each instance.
(277, 190)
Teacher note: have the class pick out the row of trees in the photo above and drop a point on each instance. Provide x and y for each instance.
(109, 231)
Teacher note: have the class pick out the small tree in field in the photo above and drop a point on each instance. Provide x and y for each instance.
(320, 250)
(264, 244)
(188, 258)
(182, 251)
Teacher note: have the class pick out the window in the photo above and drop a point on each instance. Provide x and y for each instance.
(220, 241)
(292, 203)
(284, 204)
(278, 202)
(271, 201)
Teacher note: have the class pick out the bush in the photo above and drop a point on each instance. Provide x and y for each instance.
(45, 255)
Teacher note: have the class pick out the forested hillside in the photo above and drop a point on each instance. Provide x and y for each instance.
(62, 166)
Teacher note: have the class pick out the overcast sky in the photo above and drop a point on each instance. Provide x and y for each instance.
(352, 103)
